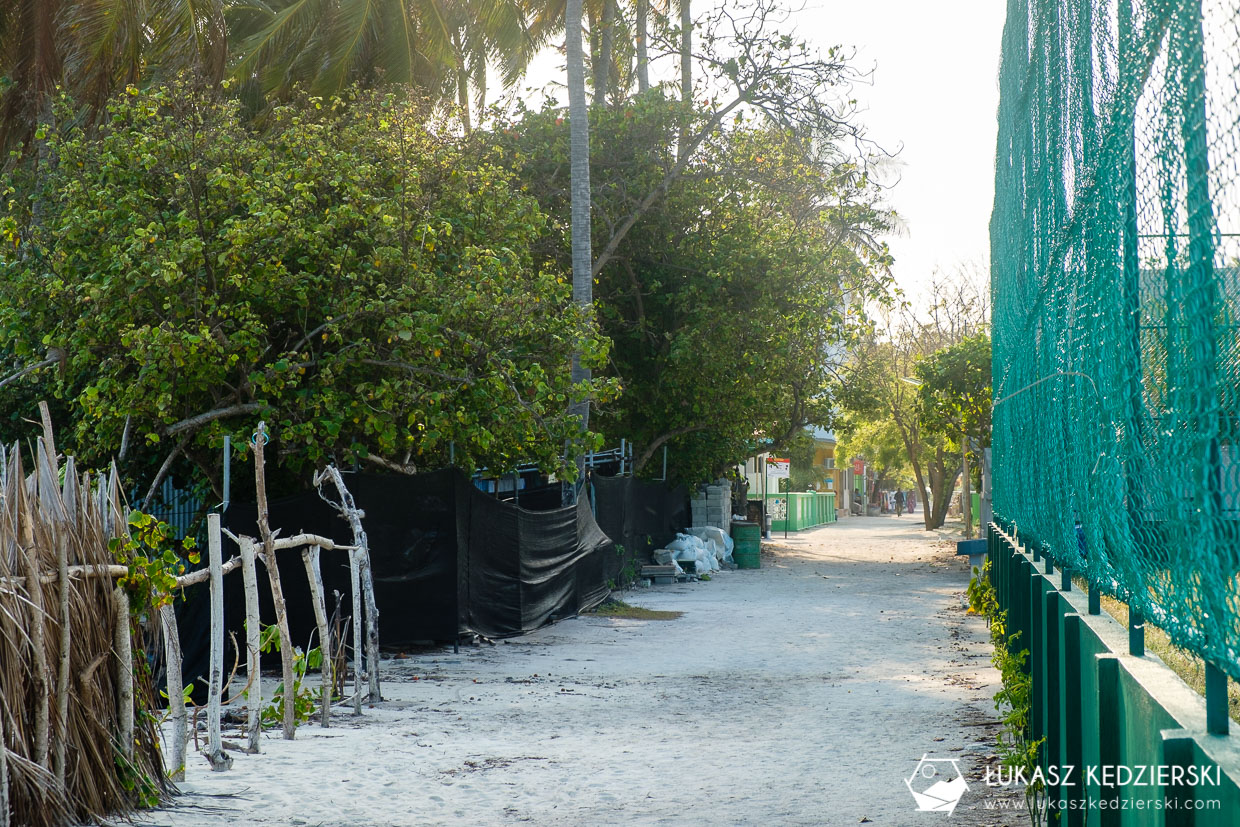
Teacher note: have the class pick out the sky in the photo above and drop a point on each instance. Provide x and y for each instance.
(932, 99)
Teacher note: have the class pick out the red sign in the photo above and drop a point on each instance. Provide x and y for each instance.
(858, 467)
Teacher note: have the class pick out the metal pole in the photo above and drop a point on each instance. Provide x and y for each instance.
(1217, 722)
(622, 457)
(664, 478)
(1136, 632)
(227, 472)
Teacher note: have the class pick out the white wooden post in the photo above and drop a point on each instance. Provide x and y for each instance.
(122, 644)
(355, 582)
(253, 655)
(176, 690)
(310, 556)
(215, 751)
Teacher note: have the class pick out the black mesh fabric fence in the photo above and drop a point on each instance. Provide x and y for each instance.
(639, 517)
(448, 559)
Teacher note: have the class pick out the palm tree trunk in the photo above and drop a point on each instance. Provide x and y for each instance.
(606, 50)
(462, 82)
(579, 152)
(643, 60)
(686, 54)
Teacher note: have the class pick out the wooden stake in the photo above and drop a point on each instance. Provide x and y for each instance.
(34, 589)
(176, 689)
(218, 759)
(277, 593)
(122, 645)
(253, 656)
(354, 580)
(4, 778)
(310, 556)
(62, 676)
(354, 515)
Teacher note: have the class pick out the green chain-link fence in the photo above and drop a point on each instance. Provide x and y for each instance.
(1115, 246)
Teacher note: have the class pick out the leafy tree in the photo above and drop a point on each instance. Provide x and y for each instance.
(365, 284)
(878, 441)
(955, 389)
(882, 384)
(729, 302)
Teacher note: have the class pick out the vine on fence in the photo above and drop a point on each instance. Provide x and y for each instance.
(155, 559)
(1017, 748)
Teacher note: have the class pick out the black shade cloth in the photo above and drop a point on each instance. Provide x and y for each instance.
(639, 517)
(448, 560)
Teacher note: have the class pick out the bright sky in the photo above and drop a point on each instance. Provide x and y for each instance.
(933, 98)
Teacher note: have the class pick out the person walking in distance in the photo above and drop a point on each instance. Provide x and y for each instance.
(899, 503)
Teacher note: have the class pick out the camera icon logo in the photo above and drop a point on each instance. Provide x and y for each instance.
(937, 784)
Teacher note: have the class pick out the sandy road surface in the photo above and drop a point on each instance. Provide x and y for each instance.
(803, 693)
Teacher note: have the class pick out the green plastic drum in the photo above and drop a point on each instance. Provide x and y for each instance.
(748, 551)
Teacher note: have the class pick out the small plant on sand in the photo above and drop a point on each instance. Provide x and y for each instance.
(1016, 747)
(305, 701)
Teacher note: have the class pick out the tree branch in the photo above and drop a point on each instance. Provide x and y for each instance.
(648, 452)
(195, 422)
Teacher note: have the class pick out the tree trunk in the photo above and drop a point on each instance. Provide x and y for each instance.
(966, 502)
(355, 582)
(579, 148)
(606, 52)
(253, 652)
(277, 591)
(462, 82)
(176, 690)
(122, 644)
(686, 56)
(942, 485)
(643, 60)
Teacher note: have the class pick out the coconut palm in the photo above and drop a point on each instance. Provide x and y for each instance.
(441, 46)
(579, 161)
(90, 48)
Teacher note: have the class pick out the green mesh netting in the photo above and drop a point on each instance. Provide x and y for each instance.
(1115, 244)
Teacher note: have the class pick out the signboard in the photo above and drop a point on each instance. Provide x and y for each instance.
(779, 468)
(858, 467)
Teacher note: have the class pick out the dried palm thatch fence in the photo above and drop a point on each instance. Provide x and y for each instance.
(78, 737)
(73, 748)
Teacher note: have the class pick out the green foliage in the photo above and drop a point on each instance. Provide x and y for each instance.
(731, 298)
(878, 441)
(136, 782)
(305, 700)
(155, 559)
(955, 389)
(1014, 700)
(365, 285)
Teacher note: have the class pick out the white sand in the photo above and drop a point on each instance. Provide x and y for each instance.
(803, 693)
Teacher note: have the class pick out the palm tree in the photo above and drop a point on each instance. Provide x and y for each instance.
(443, 47)
(579, 155)
(91, 48)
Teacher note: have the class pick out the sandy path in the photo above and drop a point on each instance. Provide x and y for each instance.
(803, 693)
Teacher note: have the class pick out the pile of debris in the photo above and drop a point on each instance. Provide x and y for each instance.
(697, 552)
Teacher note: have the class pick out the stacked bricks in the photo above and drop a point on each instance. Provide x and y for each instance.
(712, 506)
